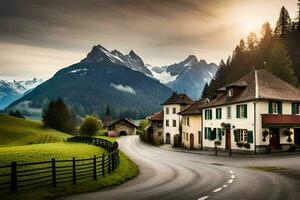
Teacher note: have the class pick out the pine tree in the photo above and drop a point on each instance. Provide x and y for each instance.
(58, 116)
(283, 25)
(107, 112)
(280, 63)
(298, 17)
(205, 91)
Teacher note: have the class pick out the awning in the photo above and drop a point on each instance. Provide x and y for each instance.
(273, 120)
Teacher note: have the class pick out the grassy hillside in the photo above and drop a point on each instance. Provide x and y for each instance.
(15, 132)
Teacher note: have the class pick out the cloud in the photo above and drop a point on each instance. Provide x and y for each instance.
(124, 88)
(25, 108)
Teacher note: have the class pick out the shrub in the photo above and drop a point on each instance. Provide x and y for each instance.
(239, 144)
(90, 125)
(177, 140)
(247, 145)
(16, 114)
(293, 148)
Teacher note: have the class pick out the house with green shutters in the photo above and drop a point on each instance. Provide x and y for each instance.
(258, 113)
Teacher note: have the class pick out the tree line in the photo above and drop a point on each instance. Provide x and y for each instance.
(276, 50)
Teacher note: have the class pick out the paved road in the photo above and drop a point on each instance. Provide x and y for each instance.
(172, 175)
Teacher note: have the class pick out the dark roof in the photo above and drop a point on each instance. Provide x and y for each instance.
(125, 119)
(159, 116)
(258, 84)
(107, 120)
(269, 120)
(181, 99)
(195, 108)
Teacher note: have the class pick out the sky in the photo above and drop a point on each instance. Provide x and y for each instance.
(39, 37)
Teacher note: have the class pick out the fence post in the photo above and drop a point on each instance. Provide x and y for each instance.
(216, 150)
(103, 168)
(53, 173)
(95, 169)
(13, 183)
(74, 170)
(109, 163)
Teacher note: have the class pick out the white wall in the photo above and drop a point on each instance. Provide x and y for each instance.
(172, 130)
(236, 123)
(193, 128)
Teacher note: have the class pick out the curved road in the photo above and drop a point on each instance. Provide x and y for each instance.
(172, 175)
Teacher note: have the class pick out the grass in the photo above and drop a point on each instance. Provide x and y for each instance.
(266, 168)
(125, 171)
(17, 132)
(44, 152)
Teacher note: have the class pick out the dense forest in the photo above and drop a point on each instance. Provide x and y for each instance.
(276, 50)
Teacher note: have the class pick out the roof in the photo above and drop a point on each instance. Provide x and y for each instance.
(181, 99)
(258, 84)
(195, 108)
(271, 120)
(125, 119)
(159, 116)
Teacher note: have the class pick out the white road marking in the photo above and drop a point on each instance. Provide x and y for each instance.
(230, 181)
(232, 176)
(203, 198)
(224, 186)
(231, 172)
(217, 190)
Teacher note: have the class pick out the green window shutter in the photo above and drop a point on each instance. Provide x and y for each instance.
(205, 115)
(236, 136)
(209, 133)
(214, 133)
(210, 114)
(219, 133)
(270, 107)
(294, 108)
(250, 137)
(237, 111)
(220, 113)
(245, 111)
(279, 107)
(205, 133)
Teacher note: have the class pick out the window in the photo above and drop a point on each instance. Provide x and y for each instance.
(167, 122)
(243, 135)
(167, 110)
(219, 135)
(210, 133)
(228, 112)
(230, 92)
(241, 111)
(208, 114)
(218, 113)
(295, 108)
(159, 124)
(174, 123)
(275, 107)
(174, 110)
(188, 121)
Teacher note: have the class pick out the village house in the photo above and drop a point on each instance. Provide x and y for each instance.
(258, 113)
(192, 125)
(171, 107)
(154, 131)
(121, 126)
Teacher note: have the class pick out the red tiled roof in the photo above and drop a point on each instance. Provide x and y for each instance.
(159, 116)
(280, 120)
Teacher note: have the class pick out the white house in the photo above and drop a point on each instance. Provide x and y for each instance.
(258, 113)
(171, 118)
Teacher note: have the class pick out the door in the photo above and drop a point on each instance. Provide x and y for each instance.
(168, 138)
(191, 141)
(297, 136)
(228, 139)
(275, 138)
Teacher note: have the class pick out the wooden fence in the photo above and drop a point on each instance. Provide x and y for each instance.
(22, 176)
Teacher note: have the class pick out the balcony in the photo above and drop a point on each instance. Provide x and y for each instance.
(274, 120)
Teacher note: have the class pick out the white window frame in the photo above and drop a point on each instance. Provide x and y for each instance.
(174, 110)
(243, 135)
(167, 110)
(167, 123)
(230, 92)
(174, 124)
(275, 108)
(242, 112)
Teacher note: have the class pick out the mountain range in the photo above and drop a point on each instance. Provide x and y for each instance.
(123, 82)
(13, 90)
